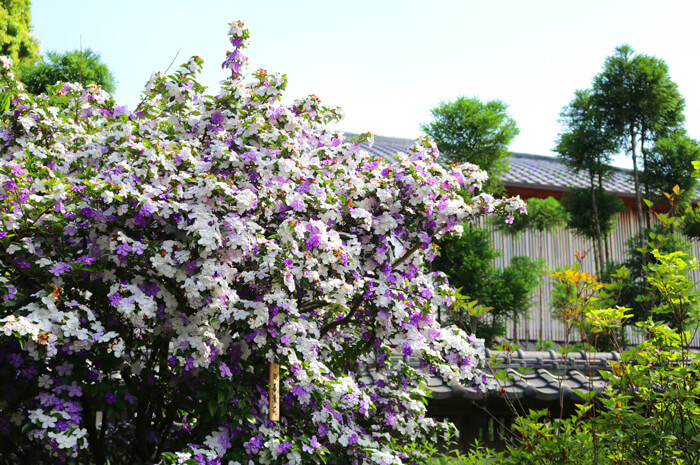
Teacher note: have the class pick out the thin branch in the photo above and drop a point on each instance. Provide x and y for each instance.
(357, 301)
(310, 306)
(406, 256)
(171, 63)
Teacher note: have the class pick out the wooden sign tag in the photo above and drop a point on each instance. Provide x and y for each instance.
(274, 392)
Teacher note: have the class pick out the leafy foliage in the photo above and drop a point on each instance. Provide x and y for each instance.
(155, 264)
(585, 145)
(577, 203)
(636, 292)
(468, 130)
(81, 66)
(542, 215)
(648, 413)
(468, 263)
(669, 163)
(16, 42)
(638, 103)
(690, 222)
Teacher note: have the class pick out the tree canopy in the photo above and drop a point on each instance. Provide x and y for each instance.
(469, 130)
(586, 145)
(669, 163)
(82, 66)
(16, 41)
(577, 202)
(639, 103)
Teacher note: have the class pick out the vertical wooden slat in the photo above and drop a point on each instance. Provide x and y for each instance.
(559, 247)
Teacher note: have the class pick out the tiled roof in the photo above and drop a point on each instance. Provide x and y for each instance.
(551, 174)
(526, 171)
(542, 376)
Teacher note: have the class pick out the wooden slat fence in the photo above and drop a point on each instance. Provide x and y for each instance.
(558, 248)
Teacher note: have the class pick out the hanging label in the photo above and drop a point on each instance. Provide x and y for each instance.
(274, 392)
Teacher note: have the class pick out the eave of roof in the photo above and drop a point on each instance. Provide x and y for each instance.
(543, 376)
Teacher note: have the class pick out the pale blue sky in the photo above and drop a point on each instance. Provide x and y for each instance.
(388, 62)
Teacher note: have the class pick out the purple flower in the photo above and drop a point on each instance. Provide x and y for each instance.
(11, 292)
(74, 390)
(297, 205)
(284, 447)
(64, 369)
(62, 425)
(254, 445)
(138, 248)
(299, 391)
(313, 445)
(217, 118)
(322, 429)
(15, 360)
(191, 267)
(123, 250)
(111, 398)
(59, 268)
(225, 370)
(130, 399)
(114, 299)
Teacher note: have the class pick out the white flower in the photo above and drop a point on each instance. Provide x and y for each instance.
(45, 381)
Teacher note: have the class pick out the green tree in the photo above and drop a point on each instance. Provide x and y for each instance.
(16, 41)
(83, 66)
(648, 412)
(639, 103)
(585, 146)
(596, 223)
(669, 163)
(636, 293)
(468, 130)
(468, 262)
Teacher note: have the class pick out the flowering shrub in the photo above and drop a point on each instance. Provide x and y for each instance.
(156, 262)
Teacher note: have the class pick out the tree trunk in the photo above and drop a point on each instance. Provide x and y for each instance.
(541, 291)
(604, 238)
(516, 338)
(637, 187)
(647, 216)
(598, 235)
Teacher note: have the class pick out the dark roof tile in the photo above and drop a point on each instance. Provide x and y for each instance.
(526, 170)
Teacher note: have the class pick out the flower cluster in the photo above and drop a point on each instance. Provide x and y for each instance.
(155, 262)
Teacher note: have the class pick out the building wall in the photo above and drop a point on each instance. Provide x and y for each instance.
(558, 248)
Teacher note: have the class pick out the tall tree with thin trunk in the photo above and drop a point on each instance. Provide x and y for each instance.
(639, 103)
(586, 146)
